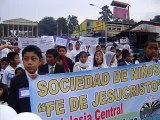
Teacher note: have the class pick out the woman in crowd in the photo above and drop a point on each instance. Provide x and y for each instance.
(110, 59)
(98, 60)
(70, 51)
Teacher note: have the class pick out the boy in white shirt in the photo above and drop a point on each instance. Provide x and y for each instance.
(4, 63)
(9, 72)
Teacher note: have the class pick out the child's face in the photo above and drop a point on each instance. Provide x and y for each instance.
(118, 53)
(128, 58)
(62, 51)
(16, 60)
(4, 64)
(1, 91)
(31, 62)
(151, 50)
(83, 58)
(98, 48)
(71, 47)
(113, 50)
(98, 57)
(51, 60)
(77, 46)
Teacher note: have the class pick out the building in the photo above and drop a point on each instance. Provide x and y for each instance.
(19, 27)
(139, 33)
(91, 28)
(115, 28)
(97, 28)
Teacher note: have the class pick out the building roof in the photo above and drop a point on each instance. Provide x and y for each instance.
(119, 4)
(126, 32)
(20, 21)
(145, 22)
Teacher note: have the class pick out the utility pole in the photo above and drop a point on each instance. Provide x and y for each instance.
(102, 21)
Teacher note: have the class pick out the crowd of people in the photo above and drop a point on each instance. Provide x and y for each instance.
(18, 67)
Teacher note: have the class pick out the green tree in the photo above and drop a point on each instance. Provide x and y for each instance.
(156, 19)
(62, 26)
(126, 21)
(72, 21)
(47, 26)
(106, 14)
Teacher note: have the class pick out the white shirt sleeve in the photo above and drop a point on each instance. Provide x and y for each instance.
(4, 79)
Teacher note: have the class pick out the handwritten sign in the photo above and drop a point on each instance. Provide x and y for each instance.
(43, 43)
(61, 41)
(89, 40)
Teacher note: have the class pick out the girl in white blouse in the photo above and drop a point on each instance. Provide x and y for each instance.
(83, 63)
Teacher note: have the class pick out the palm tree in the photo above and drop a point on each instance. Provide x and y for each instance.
(106, 14)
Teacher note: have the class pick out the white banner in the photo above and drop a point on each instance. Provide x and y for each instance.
(43, 43)
(89, 40)
(46, 43)
(129, 92)
(61, 41)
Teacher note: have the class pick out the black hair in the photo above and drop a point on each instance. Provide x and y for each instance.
(53, 52)
(125, 53)
(70, 44)
(118, 50)
(15, 44)
(149, 41)
(78, 43)
(112, 48)
(4, 59)
(11, 56)
(103, 46)
(114, 45)
(78, 55)
(19, 68)
(4, 96)
(83, 52)
(98, 46)
(62, 47)
(32, 48)
(94, 61)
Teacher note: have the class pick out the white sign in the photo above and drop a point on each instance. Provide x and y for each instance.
(73, 41)
(24, 42)
(61, 41)
(46, 43)
(43, 43)
(51, 37)
(124, 40)
(88, 41)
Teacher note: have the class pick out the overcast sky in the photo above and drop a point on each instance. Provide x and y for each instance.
(35, 10)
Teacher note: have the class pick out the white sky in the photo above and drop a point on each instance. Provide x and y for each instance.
(35, 10)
